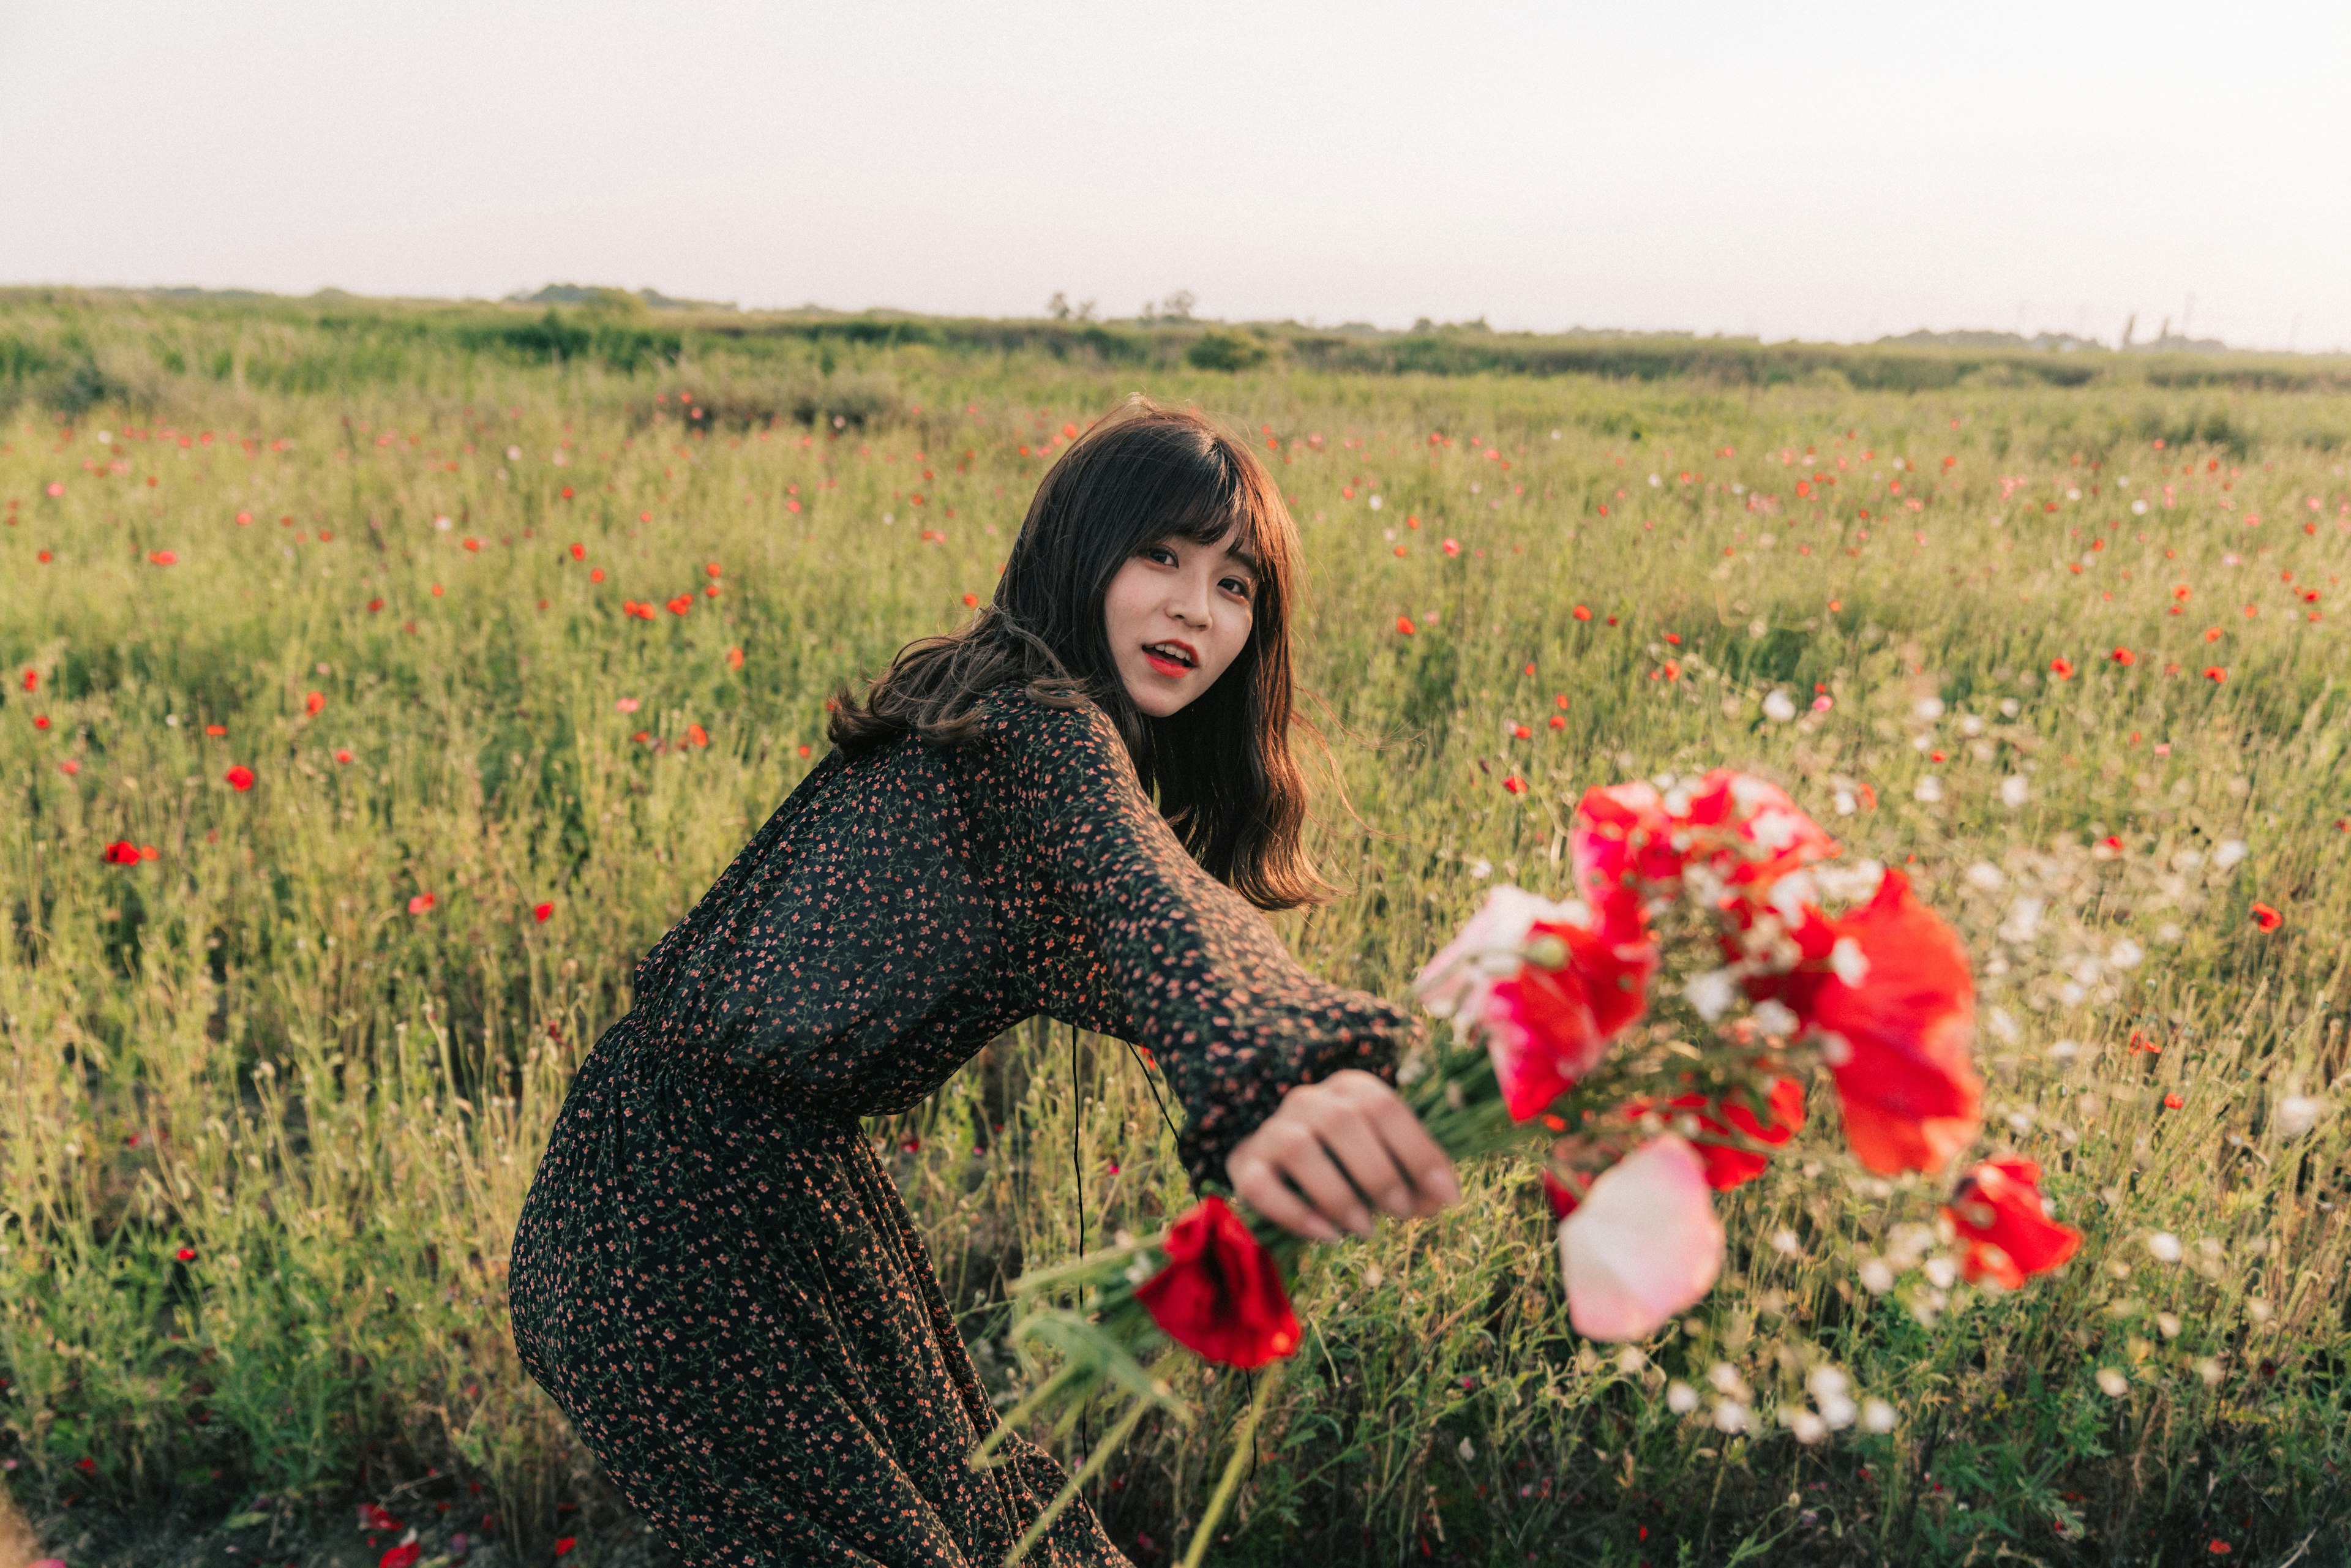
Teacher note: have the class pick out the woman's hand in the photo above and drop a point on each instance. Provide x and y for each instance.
(1335, 1151)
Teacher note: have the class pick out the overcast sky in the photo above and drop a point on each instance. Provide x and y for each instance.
(1823, 171)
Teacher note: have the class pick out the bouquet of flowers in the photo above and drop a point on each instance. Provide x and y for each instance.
(1715, 901)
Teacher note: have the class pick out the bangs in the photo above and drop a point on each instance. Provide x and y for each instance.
(1239, 502)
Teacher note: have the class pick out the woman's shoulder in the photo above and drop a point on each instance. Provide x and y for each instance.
(1018, 716)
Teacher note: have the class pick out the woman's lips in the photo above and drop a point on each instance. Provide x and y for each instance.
(1168, 667)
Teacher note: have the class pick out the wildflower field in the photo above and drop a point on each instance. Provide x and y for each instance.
(381, 682)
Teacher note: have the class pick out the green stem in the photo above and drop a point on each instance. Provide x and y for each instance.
(1103, 1452)
(1243, 1446)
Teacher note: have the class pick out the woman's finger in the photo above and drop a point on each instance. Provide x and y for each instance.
(1258, 1183)
(1307, 1161)
(1353, 1142)
(1386, 1151)
(1425, 1166)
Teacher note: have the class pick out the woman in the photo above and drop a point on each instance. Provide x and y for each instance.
(712, 1275)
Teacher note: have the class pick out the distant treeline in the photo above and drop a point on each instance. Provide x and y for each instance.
(68, 350)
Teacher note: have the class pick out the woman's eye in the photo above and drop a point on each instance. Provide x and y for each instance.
(1161, 554)
(1238, 585)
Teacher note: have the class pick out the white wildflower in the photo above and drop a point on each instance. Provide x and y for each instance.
(1712, 992)
(2015, 791)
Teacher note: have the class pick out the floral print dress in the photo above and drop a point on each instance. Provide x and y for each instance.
(714, 1277)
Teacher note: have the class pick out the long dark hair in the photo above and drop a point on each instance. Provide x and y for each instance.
(1221, 767)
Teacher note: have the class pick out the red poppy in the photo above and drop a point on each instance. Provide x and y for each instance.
(185, 1254)
(401, 1557)
(240, 778)
(163, 558)
(1897, 1017)
(2125, 656)
(734, 658)
(542, 912)
(1515, 785)
(343, 756)
(1404, 626)
(2062, 668)
(32, 680)
(121, 854)
(1220, 1292)
(696, 735)
(2215, 673)
(2265, 917)
(2172, 1101)
(2000, 1213)
(681, 604)
(1547, 1027)
(314, 703)
(420, 903)
(579, 552)
(564, 1543)
(1727, 1165)
(1582, 614)
(40, 721)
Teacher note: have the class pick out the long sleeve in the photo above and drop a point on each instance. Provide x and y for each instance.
(1179, 963)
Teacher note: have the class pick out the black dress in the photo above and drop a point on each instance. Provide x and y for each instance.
(713, 1274)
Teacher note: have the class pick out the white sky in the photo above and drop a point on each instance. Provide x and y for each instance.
(1815, 171)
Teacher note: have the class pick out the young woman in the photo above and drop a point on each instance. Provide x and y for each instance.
(712, 1275)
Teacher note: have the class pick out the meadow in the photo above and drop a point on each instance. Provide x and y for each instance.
(381, 682)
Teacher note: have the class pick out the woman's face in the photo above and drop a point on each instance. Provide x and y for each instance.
(1178, 614)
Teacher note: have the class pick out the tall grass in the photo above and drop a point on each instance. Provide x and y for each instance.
(261, 1047)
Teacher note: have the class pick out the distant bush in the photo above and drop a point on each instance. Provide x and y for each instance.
(1222, 351)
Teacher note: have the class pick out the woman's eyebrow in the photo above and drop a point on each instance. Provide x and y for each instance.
(1242, 554)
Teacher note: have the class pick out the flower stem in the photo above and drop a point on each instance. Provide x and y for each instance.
(1103, 1453)
(1244, 1445)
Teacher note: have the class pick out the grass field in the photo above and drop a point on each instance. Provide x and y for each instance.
(521, 637)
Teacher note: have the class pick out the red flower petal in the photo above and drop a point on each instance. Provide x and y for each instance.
(1904, 1032)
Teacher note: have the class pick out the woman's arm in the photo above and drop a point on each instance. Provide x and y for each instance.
(1279, 1073)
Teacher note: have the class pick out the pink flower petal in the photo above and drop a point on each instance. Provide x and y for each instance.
(1645, 1244)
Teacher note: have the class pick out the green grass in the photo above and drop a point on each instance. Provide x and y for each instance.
(250, 1048)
